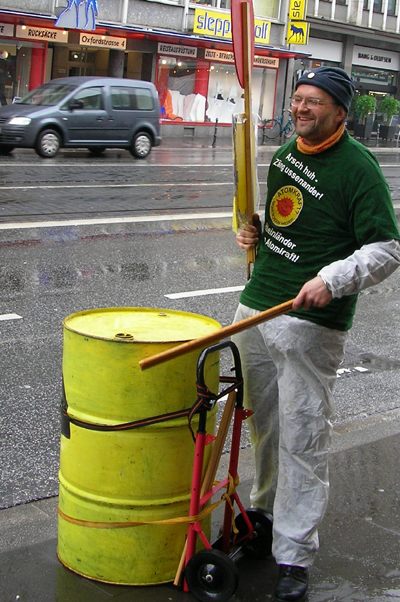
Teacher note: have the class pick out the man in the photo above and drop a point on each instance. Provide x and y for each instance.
(330, 232)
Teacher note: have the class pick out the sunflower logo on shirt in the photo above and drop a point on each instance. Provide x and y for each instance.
(285, 206)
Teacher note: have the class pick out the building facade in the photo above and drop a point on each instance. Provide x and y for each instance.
(185, 48)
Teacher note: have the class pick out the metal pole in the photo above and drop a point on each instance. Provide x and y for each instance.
(264, 130)
(214, 142)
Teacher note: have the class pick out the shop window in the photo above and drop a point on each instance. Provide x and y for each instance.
(226, 97)
(179, 100)
(128, 99)
(201, 91)
(7, 76)
(363, 77)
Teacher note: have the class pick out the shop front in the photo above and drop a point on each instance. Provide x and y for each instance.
(193, 72)
(199, 85)
(23, 61)
(374, 71)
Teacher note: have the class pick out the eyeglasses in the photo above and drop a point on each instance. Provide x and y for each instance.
(311, 103)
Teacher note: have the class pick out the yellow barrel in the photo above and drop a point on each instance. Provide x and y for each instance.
(140, 476)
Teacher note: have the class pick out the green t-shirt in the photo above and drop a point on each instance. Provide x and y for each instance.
(319, 209)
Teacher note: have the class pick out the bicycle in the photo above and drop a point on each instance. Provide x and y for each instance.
(273, 128)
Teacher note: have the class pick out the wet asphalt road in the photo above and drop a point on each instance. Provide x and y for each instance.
(177, 176)
(50, 271)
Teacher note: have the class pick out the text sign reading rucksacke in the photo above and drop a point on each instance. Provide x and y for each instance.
(218, 24)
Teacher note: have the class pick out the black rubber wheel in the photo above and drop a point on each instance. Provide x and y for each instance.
(96, 151)
(48, 144)
(212, 575)
(289, 130)
(261, 543)
(272, 129)
(141, 145)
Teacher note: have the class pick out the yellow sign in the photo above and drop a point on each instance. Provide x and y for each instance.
(297, 10)
(298, 32)
(218, 24)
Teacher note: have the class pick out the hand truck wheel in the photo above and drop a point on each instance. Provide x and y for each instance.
(260, 545)
(212, 575)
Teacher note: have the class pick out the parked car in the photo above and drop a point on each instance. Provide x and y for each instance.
(92, 112)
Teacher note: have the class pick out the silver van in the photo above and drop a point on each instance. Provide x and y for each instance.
(92, 112)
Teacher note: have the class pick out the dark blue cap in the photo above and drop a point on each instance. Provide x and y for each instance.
(334, 81)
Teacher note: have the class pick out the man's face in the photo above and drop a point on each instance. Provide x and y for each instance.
(316, 123)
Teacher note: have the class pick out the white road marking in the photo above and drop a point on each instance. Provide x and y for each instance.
(209, 291)
(150, 185)
(10, 317)
(119, 165)
(115, 220)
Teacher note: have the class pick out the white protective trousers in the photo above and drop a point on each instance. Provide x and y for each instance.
(289, 370)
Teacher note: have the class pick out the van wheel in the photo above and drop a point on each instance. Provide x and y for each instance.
(96, 151)
(48, 144)
(141, 145)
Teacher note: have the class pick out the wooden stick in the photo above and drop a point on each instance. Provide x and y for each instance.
(212, 466)
(217, 336)
(248, 124)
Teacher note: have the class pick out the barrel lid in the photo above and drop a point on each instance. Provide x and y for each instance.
(140, 325)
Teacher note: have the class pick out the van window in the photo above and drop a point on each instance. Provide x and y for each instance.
(131, 99)
(47, 95)
(92, 99)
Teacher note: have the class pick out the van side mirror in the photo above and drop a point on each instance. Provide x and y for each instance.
(75, 104)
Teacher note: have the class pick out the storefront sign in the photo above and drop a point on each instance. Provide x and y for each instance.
(218, 24)
(27, 32)
(266, 61)
(227, 57)
(298, 32)
(6, 29)
(297, 10)
(87, 39)
(376, 58)
(219, 55)
(177, 49)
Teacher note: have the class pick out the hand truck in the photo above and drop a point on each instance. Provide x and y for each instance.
(211, 574)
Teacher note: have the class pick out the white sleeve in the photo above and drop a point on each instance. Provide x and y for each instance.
(365, 267)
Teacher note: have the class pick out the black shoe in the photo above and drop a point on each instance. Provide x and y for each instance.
(292, 584)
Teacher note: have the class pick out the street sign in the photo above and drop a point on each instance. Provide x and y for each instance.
(297, 10)
(298, 32)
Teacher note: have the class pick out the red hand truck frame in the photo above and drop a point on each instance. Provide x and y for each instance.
(211, 574)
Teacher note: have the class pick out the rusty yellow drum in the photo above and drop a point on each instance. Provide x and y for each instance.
(120, 489)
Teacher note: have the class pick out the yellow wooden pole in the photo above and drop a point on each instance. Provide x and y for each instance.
(248, 123)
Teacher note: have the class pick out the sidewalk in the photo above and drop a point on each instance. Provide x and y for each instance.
(224, 142)
(358, 561)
